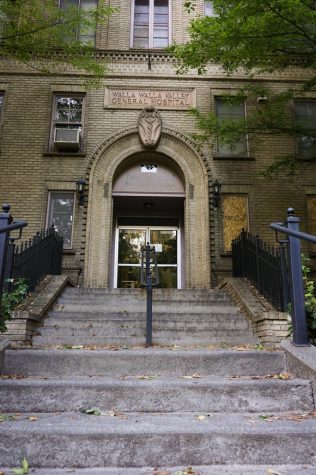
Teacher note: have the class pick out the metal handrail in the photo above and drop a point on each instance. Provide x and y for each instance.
(11, 227)
(291, 228)
(298, 234)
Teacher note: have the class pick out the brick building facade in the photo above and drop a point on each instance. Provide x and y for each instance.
(54, 132)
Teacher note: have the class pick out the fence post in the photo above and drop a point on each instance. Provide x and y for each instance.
(300, 337)
(149, 287)
(5, 219)
(9, 265)
(285, 283)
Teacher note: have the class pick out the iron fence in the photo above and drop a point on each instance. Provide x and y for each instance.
(35, 258)
(263, 265)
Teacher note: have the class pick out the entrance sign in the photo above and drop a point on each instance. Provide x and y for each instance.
(120, 97)
(149, 126)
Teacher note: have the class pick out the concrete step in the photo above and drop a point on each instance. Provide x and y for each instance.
(182, 470)
(120, 327)
(140, 440)
(155, 394)
(68, 318)
(135, 339)
(163, 361)
(120, 314)
(136, 308)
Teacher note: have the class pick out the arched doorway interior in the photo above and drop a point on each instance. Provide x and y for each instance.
(148, 207)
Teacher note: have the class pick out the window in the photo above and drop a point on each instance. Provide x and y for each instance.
(208, 8)
(60, 214)
(230, 112)
(305, 113)
(67, 124)
(311, 208)
(151, 24)
(88, 35)
(235, 218)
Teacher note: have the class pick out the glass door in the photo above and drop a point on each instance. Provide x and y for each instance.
(128, 255)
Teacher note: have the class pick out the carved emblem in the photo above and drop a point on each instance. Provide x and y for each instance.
(149, 126)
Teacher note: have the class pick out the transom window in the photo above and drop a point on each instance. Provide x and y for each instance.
(60, 214)
(305, 112)
(85, 35)
(67, 123)
(225, 110)
(150, 27)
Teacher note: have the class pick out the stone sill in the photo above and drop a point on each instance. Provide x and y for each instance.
(64, 154)
(234, 157)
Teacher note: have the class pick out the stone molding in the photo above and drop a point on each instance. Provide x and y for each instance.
(104, 162)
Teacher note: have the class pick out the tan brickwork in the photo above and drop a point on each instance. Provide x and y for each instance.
(110, 136)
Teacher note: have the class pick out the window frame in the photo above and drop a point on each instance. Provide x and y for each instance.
(217, 152)
(150, 26)
(51, 145)
(301, 100)
(48, 212)
(78, 30)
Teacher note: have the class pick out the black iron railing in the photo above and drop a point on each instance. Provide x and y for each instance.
(35, 258)
(262, 264)
(294, 271)
(149, 278)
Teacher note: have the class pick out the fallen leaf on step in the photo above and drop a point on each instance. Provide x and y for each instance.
(33, 418)
(123, 377)
(114, 413)
(271, 471)
(283, 376)
(193, 376)
(200, 418)
(93, 411)
(147, 376)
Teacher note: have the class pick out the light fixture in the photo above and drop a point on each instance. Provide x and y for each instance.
(81, 183)
(216, 189)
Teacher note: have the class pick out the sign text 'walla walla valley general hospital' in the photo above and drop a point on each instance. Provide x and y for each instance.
(138, 98)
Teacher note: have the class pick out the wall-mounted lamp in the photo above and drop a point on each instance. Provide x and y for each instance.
(81, 183)
(216, 189)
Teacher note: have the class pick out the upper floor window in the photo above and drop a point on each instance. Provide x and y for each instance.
(231, 112)
(150, 27)
(60, 214)
(67, 123)
(85, 35)
(208, 8)
(305, 113)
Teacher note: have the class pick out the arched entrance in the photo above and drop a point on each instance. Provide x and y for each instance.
(148, 206)
(108, 165)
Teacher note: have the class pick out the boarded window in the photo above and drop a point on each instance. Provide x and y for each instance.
(235, 217)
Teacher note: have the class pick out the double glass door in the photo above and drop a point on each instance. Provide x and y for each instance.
(129, 242)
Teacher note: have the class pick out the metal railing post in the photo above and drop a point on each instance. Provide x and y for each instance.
(300, 337)
(285, 284)
(5, 219)
(9, 265)
(149, 288)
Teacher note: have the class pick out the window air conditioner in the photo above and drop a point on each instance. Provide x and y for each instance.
(67, 139)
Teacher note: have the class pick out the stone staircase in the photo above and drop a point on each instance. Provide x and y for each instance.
(102, 316)
(130, 410)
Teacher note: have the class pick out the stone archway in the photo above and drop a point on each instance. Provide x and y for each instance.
(103, 165)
